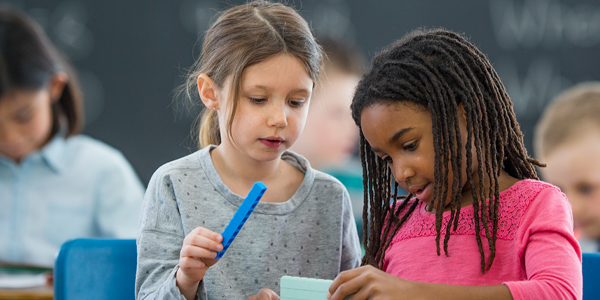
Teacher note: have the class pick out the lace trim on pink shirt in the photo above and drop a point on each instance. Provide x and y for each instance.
(513, 204)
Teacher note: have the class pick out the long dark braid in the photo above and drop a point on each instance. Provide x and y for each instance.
(438, 70)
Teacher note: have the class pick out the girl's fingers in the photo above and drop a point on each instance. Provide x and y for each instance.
(201, 243)
(197, 252)
(362, 294)
(344, 284)
(204, 242)
(346, 289)
(265, 294)
(187, 263)
(204, 238)
(201, 231)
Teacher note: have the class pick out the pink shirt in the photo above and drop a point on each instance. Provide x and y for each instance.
(537, 256)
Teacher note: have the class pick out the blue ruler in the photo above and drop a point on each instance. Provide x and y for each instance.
(241, 215)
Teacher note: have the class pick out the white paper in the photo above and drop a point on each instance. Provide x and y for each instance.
(21, 280)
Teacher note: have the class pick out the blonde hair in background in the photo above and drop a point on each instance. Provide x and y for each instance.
(569, 115)
(242, 36)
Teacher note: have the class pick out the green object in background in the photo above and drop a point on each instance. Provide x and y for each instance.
(350, 176)
(20, 269)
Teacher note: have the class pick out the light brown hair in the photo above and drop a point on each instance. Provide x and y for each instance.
(245, 35)
(569, 115)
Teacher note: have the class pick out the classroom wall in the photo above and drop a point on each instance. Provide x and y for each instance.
(131, 55)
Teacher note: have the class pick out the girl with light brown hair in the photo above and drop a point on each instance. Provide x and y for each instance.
(259, 65)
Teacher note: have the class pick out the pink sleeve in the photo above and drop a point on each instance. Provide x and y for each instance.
(549, 252)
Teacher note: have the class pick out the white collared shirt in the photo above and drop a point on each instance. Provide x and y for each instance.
(74, 187)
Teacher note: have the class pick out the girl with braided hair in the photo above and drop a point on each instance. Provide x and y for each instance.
(436, 120)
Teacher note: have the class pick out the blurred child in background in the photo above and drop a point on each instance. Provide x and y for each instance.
(330, 138)
(567, 139)
(55, 184)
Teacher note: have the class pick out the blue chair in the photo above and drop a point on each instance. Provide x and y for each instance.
(591, 276)
(95, 269)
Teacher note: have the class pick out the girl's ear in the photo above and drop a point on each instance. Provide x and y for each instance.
(57, 85)
(208, 92)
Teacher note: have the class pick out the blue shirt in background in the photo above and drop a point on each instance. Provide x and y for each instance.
(74, 187)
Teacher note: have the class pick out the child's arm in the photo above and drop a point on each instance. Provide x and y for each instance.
(368, 282)
(198, 253)
(160, 244)
(548, 249)
(202, 247)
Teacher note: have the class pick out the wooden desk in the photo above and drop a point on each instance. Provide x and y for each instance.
(45, 292)
(36, 293)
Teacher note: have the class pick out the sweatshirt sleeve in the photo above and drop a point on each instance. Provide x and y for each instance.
(549, 252)
(351, 253)
(159, 242)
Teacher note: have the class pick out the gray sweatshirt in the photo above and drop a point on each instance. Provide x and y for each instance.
(313, 234)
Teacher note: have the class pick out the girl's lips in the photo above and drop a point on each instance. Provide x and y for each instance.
(424, 193)
(272, 143)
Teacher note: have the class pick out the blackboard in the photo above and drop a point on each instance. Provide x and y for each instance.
(131, 55)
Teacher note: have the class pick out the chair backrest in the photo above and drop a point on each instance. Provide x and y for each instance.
(591, 276)
(95, 269)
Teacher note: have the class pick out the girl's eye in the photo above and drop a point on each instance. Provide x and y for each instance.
(584, 188)
(410, 147)
(257, 100)
(297, 103)
(388, 160)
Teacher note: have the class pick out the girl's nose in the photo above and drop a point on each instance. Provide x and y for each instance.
(402, 171)
(277, 115)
